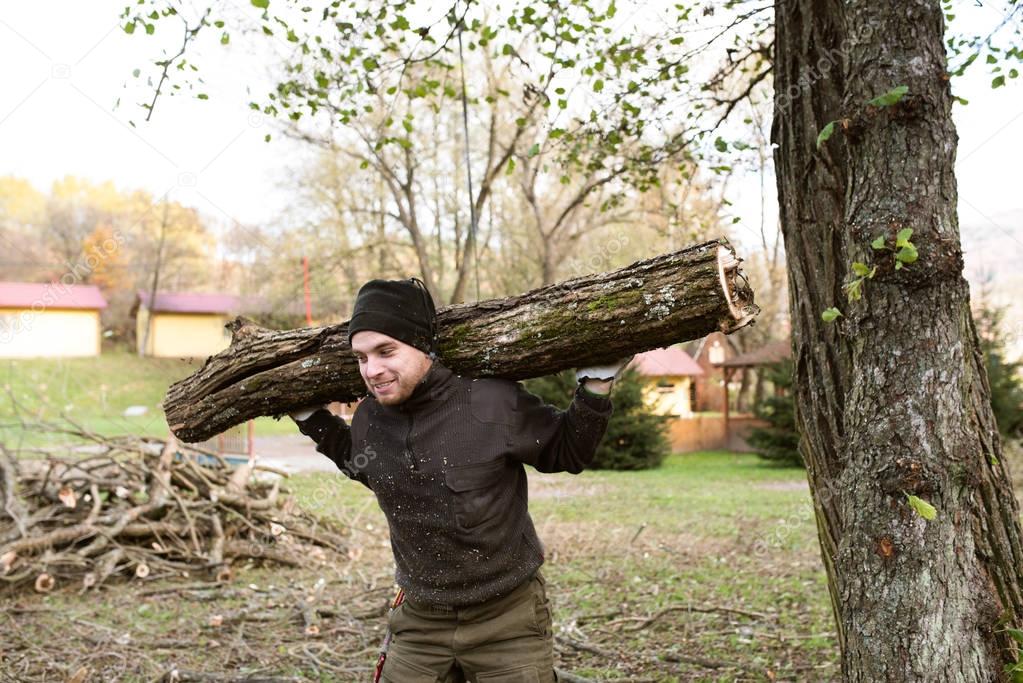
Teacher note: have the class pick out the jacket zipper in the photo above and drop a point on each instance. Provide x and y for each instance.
(408, 445)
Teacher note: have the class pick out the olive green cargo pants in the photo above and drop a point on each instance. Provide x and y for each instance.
(505, 640)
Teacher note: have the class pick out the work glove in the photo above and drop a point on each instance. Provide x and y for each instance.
(603, 373)
(303, 413)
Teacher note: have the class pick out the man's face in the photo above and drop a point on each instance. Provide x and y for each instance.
(390, 368)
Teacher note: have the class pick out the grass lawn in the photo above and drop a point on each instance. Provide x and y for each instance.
(706, 569)
(95, 393)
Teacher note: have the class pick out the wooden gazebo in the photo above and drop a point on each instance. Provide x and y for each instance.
(768, 354)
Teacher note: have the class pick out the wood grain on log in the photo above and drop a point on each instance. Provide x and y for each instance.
(590, 320)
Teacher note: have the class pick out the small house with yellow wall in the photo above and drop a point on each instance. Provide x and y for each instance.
(51, 320)
(668, 375)
(183, 324)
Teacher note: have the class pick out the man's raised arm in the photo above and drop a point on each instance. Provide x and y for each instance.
(332, 435)
(552, 440)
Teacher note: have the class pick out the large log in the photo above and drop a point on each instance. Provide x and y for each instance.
(584, 321)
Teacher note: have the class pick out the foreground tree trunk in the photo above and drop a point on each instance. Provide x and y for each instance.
(892, 398)
(585, 321)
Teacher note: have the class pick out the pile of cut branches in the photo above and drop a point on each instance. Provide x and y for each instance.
(148, 508)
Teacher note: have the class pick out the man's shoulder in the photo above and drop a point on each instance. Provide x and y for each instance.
(366, 411)
(493, 399)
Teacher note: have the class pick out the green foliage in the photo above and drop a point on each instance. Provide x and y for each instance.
(854, 288)
(1000, 45)
(635, 437)
(1004, 376)
(830, 315)
(921, 507)
(904, 253)
(779, 441)
(826, 132)
(587, 95)
(891, 97)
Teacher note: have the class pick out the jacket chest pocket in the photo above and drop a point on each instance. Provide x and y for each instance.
(478, 490)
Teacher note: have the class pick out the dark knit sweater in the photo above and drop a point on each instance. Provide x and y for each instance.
(446, 466)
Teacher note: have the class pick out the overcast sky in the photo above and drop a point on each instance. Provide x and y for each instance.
(66, 64)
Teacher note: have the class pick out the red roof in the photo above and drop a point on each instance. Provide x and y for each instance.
(50, 295)
(768, 354)
(670, 361)
(191, 302)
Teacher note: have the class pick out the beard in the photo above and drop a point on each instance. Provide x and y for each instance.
(404, 379)
(397, 392)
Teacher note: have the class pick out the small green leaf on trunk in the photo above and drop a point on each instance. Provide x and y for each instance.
(861, 269)
(891, 97)
(853, 289)
(907, 254)
(878, 244)
(825, 133)
(922, 507)
(830, 314)
(902, 239)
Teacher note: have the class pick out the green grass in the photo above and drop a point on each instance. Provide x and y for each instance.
(711, 529)
(723, 534)
(95, 393)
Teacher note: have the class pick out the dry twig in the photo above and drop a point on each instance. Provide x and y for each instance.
(153, 506)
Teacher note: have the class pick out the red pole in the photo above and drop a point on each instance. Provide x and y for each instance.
(726, 373)
(308, 298)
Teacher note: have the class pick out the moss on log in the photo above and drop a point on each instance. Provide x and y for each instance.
(588, 320)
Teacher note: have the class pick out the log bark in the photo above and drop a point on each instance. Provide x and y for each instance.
(588, 320)
(892, 399)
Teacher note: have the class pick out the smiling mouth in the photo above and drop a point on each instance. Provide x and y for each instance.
(383, 385)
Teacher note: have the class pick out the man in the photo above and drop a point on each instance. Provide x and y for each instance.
(444, 455)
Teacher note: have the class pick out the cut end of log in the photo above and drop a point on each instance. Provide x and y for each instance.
(7, 561)
(45, 583)
(737, 291)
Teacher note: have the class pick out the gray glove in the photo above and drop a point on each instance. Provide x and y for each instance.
(603, 373)
(304, 413)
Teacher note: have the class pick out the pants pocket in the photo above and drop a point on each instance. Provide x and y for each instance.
(519, 674)
(397, 670)
(541, 607)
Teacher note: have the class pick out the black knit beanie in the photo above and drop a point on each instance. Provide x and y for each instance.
(402, 309)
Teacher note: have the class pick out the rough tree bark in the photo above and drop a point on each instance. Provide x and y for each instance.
(892, 398)
(584, 321)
